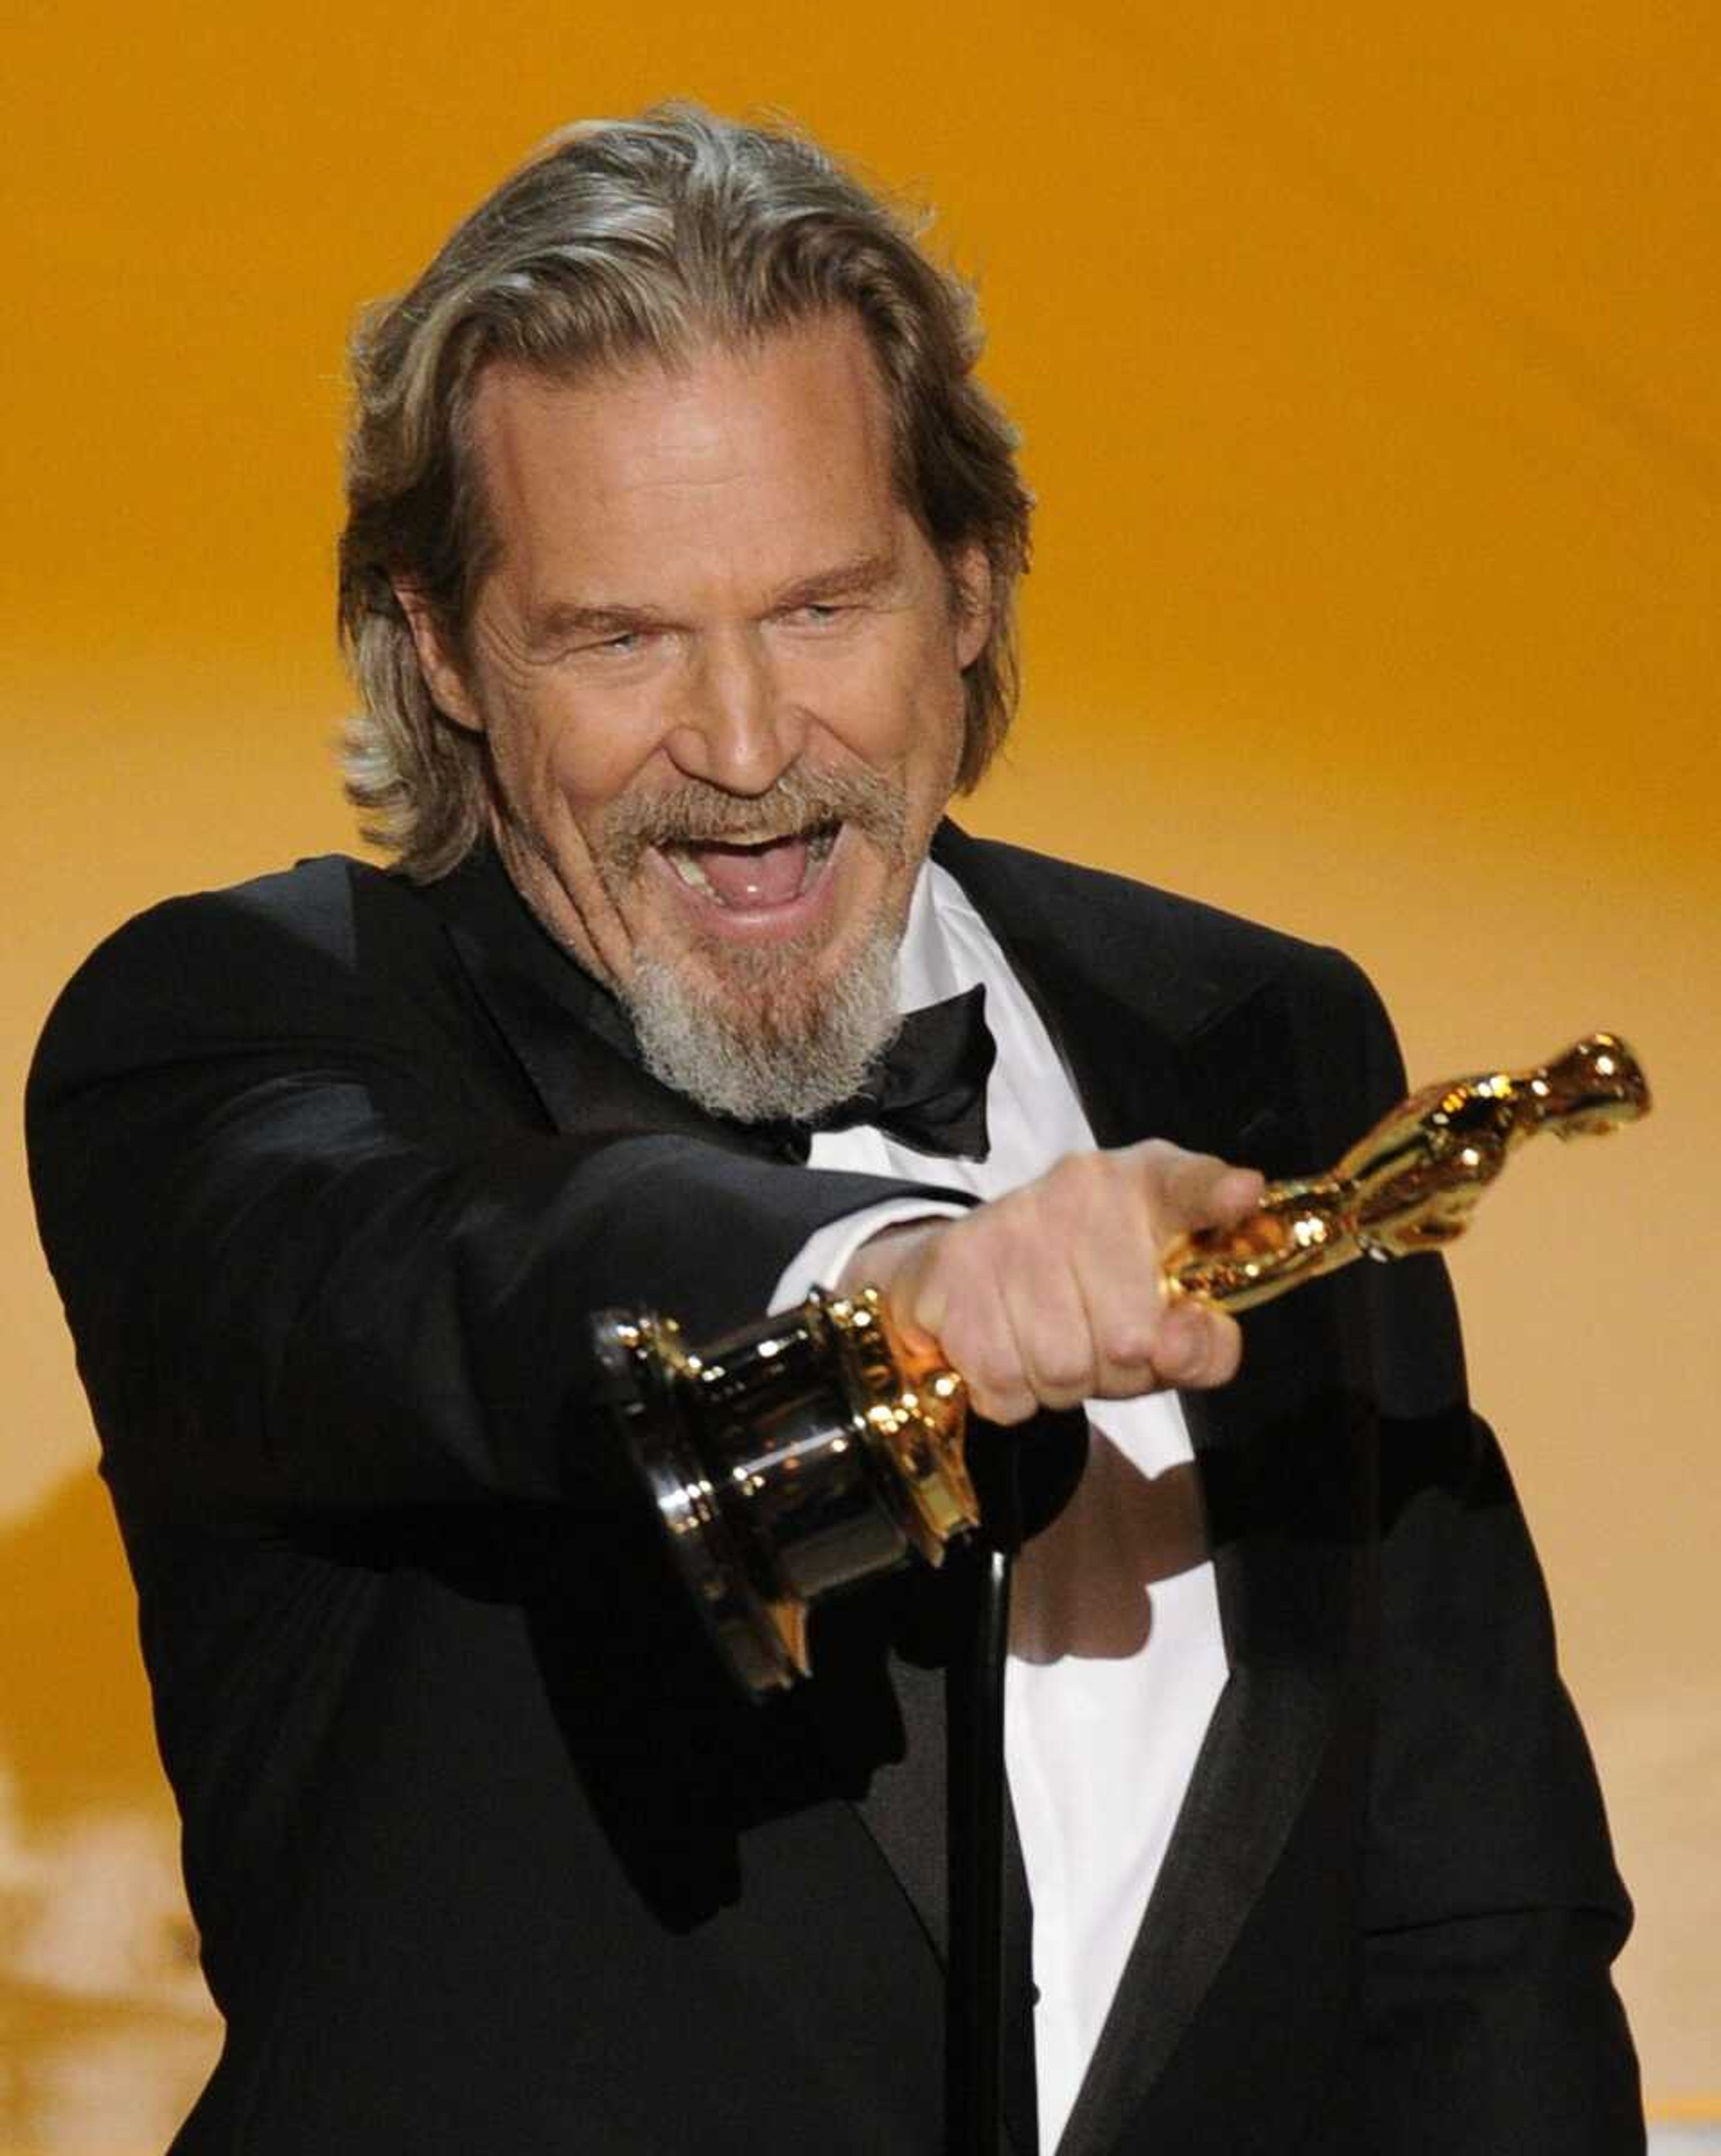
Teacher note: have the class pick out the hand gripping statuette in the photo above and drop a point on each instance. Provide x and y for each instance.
(800, 1453)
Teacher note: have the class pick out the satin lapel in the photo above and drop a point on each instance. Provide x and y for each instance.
(1274, 1452)
(1157, 1050)
(557, 1024)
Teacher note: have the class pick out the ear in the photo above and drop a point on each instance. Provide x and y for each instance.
(442, 678)
(971, 596)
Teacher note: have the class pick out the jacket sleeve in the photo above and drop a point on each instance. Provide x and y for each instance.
(1493, 1909)
(305, 1261)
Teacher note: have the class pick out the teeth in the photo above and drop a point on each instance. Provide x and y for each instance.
(820, 838)
(688, 868)
(680, 854)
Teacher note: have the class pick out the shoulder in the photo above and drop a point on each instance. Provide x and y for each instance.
(1199, 959)
(331, 940)
(319, 904)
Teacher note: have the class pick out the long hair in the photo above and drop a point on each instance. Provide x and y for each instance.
(618, 241)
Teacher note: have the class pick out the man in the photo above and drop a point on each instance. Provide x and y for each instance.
(678, 580)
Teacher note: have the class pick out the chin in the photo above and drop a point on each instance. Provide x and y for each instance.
(772, 1031)
(778, 988)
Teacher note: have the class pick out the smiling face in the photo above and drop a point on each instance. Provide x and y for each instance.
(719, 667)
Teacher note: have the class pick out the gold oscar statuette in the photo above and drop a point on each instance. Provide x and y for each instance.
(1413, 1182)
(797, 1454)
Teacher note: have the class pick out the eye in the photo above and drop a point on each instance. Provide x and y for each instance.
(816, 614)
(622, 645)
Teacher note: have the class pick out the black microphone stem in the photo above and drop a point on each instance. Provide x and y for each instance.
(974, 2048)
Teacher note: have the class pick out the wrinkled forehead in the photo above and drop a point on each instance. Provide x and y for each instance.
(816, 379)
(778, 446)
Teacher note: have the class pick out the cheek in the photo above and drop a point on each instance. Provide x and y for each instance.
(940, 722)
(562, 763)
(904, 710)
(583, 783)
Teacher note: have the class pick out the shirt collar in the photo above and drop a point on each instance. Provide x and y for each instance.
(927, 967)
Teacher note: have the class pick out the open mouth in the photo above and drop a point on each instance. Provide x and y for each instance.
(753, 875)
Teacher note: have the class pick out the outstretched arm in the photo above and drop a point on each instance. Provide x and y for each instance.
(316, 1251)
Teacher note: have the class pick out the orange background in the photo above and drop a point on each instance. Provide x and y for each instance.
(1367, 364)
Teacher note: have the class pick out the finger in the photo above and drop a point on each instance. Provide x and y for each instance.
(1115, 1260)
(986, 1345)
(1144, 1344)
(1196, 1347)
(894, 1262)
(957, 1296)
(1054, 1223)
(992, 1368)
(1186, 1190)
(1117, 1276)
(1053, 1335)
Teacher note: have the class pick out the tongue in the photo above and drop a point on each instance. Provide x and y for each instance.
(755, 875)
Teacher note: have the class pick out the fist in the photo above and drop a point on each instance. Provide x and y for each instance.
(1050, 1295)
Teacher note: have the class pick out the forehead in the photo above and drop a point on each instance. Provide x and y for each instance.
(761, 454)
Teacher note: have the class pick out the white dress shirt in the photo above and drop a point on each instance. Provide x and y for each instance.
(1116, 1658)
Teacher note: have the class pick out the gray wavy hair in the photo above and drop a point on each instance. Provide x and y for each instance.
(621, 240)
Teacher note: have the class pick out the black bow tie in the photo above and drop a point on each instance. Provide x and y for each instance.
(927, 1089)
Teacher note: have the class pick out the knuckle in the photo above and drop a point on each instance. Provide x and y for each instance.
(994, 1372)
(1124, 1381)
(1017, 1408)
(1159, 1158)
(1064, 1369)
(1205, 1349)
(1129, 1339)
(1006, 1404)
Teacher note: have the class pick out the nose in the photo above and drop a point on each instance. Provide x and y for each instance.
(736, 729)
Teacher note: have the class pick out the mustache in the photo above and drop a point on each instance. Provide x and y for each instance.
(696, 813)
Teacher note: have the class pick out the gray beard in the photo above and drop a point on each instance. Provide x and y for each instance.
(767, 1053)
(761, 1047)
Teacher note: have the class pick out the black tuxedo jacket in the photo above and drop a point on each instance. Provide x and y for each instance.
(485, 1855)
